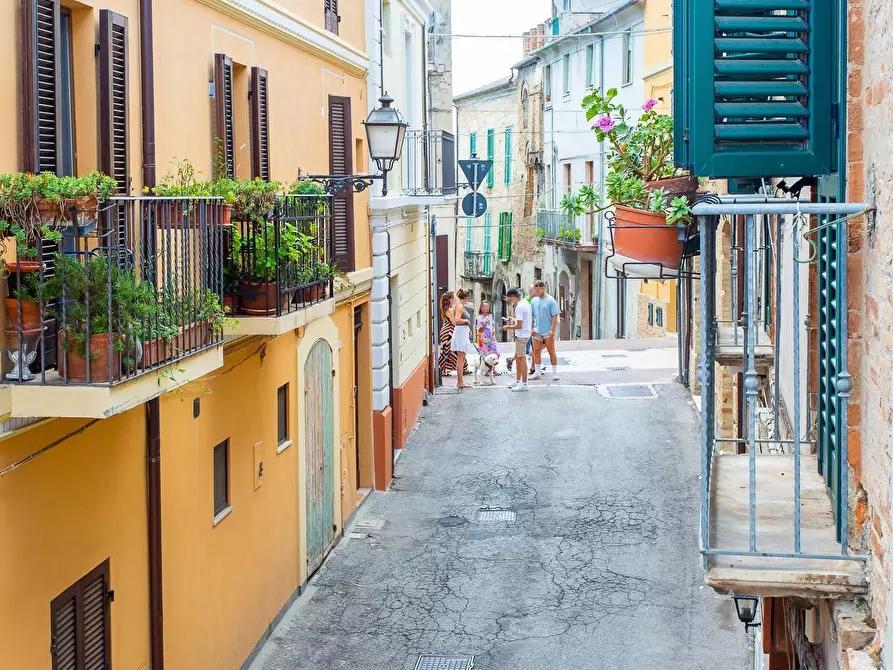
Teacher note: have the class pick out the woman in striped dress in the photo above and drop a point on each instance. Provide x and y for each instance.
(448, 357)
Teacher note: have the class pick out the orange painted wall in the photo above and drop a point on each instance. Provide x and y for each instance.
(383, 430)
(407, 402)
(61, 515)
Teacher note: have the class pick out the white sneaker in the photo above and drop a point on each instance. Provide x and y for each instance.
(520, 388)
(555, 375)
(511, 385)
(534, 375)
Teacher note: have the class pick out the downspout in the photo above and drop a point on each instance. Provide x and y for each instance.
(390, 349)
(426, 105)
(600, 254)
(153, 407)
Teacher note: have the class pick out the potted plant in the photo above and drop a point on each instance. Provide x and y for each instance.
(312, 196)
(264, 262)
(570, 236)
(227, 189)
(232, 270)
(650, 197)
(182, 186)
(199, 315)
(57, 196)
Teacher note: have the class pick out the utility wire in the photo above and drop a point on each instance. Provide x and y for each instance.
(556, 38)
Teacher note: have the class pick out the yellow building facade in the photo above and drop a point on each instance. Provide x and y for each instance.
(78, 537)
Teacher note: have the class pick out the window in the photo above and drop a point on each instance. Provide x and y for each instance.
(80, 621)
(590, 65)
(650, 314)
(221, 479)
(66, 95)
(260, 125)
(566, 71)
(330, 7)
(505, 236)
(491, 151)
(282, 415)
(537, 274)
(525, 106)
(659, 316)
(223, 103)
(508, 156)
(113, 116)
(341, 162)
(547, 83)
(627, 58)
(568, 184)
(472, 145)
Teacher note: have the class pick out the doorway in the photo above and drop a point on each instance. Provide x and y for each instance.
(357, 329)
(564, 291)
(319, 454)
(621, 305)
(586, 299)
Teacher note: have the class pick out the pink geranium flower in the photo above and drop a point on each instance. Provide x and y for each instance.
(649, 104)
(605, 123)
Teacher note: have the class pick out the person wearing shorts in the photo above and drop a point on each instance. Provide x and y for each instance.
(545, 323)
(522, 325)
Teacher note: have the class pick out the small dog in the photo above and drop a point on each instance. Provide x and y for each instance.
(486, 368)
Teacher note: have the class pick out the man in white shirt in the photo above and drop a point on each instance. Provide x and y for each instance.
(522, 324)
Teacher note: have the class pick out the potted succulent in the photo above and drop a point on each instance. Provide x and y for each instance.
(568, 235)
(57, 196)
(650, 197)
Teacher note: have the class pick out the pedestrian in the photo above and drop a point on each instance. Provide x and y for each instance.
(531, 292)
(521, 324)
(447, 360)
(545, 323)
(486, 331)
(461, 345)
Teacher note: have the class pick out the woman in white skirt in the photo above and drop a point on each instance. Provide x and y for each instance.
(463, 317)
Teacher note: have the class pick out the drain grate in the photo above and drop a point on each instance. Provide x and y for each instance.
(431, 662)
(619, 369)
(629, 391)
(496, 514)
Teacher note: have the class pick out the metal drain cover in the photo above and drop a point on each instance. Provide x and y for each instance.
(496, 514)
(620, 369)
(629, 391)
(431, 662)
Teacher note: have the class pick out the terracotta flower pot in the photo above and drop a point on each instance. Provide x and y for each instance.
(154, 352)
(646, 237)
(30, 314)
(676, 186)
(53, 212)
(22, 266)
(193, 336)
(226, 216)
(231, 303)
(261, 298)
(76, 365)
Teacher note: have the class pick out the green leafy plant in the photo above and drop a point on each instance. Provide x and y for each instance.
(313, 195)
(539, 234)
(261, 253)
(182, 182)
(255, 199)
(569, 235)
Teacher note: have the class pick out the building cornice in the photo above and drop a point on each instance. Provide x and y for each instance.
(420, 9)
(289, 27)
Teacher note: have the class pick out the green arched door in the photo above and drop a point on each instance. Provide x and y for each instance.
(319, 453)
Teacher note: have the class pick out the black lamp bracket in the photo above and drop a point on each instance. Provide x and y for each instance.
(334, 184)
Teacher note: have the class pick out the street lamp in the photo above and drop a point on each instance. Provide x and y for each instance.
(385, 132)
(747, 610)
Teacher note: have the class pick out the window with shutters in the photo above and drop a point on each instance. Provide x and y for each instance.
(341, 163)
(504, 242)
(282, 415)
(566, 74)
(260, 124)
(221, 479)
(491, 152)
(80, 619)
(752, 95)
(472, 144)
(590, 65)
(113, 114)
(547, 84)
(508, 156)
(330, 7)
(627, 58)
(223, 103)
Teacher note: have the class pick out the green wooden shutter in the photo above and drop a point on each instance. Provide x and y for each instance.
(468, 231)
(508, 222)
(500, 236)
(491, 141)
(752, 90)
(472, 145)
(488, 241)
(505, 236)
(508, 156)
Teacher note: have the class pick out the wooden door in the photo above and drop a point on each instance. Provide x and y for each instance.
(586, 299)
(341, 163)
(564, 292)
(319, 453)
(357, 328)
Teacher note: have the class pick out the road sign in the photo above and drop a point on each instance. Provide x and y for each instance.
(474, 204)
(475, 171)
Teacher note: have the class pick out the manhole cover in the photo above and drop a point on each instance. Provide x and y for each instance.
(496, 514)
(452, 521)
(629, 391)
(430, 662)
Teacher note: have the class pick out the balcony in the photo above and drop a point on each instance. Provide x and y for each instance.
(479, 265)
(110, 306)
(774, 485)
(428, 165)
(279, 266)
(556, 227)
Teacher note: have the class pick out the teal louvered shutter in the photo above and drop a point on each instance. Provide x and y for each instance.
(753, 91)
(505, 236)
(508, 156)
(472, 145)
(508, 235)
(491, 141)
(468, 231)
(488, 241)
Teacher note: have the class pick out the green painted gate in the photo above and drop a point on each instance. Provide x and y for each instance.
(319, 453)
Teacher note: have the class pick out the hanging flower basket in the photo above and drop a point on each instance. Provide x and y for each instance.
(645, 237)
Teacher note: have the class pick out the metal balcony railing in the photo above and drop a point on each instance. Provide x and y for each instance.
(429, 163)
(774, 485)
(556, 226)
(104, 295)
(280, 257)
(479, 264)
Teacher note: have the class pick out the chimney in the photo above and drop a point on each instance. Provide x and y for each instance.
(527, 43)
(540, 36)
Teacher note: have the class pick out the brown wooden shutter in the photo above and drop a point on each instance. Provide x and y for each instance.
(40, 79)
(341, 162)
(332, 18)
(114, 123)
(223, 97)
(260, 125)
(81, 626)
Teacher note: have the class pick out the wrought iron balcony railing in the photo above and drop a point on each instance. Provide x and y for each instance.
(279, 258)
(479, 264)
(557, 227)
(774, 485)
(429, 163)
(104, 295)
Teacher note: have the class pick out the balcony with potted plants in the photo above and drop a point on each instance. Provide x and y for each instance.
(427, 170)
(111, 299)
(648, 206)
(279, 267)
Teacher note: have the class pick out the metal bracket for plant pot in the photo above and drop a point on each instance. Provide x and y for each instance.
(688, 235)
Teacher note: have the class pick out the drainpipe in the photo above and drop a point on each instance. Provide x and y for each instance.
(153, 407)
(600, 254)
(426, 106)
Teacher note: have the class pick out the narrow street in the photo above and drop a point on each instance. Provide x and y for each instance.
(599, 568)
